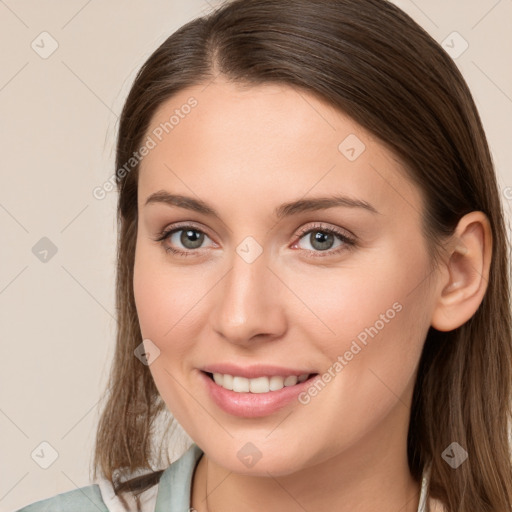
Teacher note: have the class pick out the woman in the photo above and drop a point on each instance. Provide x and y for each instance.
(313, 275)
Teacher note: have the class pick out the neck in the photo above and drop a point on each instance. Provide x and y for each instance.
(372, 474)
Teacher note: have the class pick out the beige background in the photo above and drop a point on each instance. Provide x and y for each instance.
(59, 118)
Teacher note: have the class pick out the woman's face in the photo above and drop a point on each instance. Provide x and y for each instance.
(276, 277)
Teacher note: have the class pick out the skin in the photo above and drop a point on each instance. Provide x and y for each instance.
(245, 150)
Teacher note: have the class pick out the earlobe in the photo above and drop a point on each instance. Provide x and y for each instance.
(466, 272)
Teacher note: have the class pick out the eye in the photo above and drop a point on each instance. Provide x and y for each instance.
(187, 240)
(322, 239)
(182, 240)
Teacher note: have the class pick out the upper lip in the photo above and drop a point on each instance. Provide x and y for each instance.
(255, 371)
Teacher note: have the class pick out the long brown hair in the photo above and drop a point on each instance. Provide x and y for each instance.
(371, 61)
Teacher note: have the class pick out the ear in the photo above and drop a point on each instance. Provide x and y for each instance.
(465, 273)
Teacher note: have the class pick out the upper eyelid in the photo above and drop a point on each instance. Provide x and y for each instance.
(184, 225)
(319, 227)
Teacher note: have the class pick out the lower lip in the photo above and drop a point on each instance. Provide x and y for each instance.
(253, 405)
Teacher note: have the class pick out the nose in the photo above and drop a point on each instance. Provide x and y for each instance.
(249, 303)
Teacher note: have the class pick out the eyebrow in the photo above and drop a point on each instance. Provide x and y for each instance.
(284, 210)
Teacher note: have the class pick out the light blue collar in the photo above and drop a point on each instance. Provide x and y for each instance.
(175, 482)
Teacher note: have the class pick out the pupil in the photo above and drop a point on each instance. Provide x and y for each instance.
(324, 240)
(191, 239)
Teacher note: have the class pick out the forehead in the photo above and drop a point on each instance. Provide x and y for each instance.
(268, 141)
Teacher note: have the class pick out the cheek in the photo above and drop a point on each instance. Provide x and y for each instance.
(167, 305)
(165, 308)
(377, 320)
(374, 315)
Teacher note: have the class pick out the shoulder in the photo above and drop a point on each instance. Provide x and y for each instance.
(170, 494)
(83, 499)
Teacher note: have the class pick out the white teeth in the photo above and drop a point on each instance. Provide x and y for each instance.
(257, 385)
(290, 381)
(240, 384)
(227, 382)
(276, 383)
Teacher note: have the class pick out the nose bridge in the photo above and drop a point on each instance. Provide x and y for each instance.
(247, 301)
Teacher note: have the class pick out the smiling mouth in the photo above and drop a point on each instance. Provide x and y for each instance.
(259, 384)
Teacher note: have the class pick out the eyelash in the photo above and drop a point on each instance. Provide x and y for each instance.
(348, 242)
